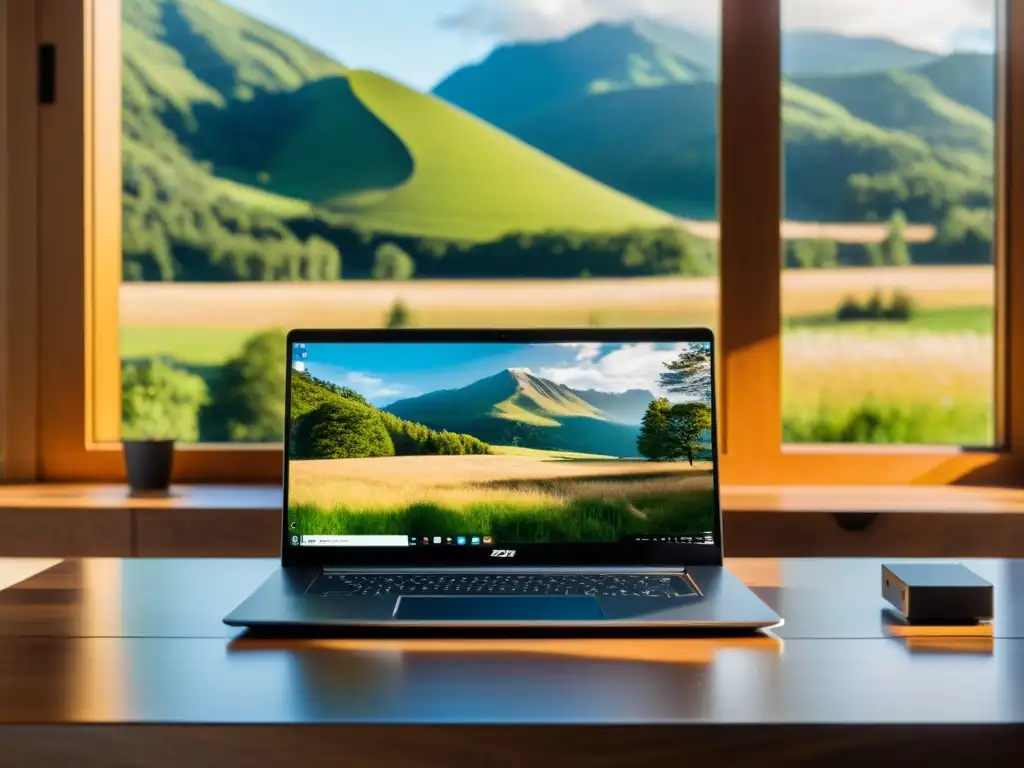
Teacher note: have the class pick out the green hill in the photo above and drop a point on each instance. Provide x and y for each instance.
(473, 181)
(329, 421)
(523, 80)
(249, 155)
(515, 407)
(967, 78)
(837, 165)
(907, 101)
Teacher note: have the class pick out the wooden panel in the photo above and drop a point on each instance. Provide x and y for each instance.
(750, 205)
(207, 533)
(103, 221)
(222, 521)
(1012, 252)
(19, 338)
(97, 746)
(55, 532)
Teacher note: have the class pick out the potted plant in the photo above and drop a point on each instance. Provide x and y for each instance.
(159, 406)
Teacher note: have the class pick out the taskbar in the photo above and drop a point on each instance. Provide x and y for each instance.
(463, 541)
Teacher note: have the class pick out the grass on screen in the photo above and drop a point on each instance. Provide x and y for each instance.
(577, 520)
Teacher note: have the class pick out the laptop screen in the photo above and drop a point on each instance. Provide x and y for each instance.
(498, 446)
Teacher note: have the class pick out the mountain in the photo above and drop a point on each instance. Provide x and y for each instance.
(812, 52)
(523, 80)
(516, 407)
(907, 101)
(239, 141)
(673, 162)
(967, 78)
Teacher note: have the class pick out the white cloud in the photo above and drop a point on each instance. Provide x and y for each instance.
(932, 24)
(584, 350)
(368, 386)
(631, 366)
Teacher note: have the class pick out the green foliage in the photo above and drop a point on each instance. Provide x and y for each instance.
(342, 429)
(399, 315)
(687, 423)
(669, 432)
(690, 373)
(578, 519)
(323, 258)
(159, 402)
(895, 252)
(247, 395)
(310, 394)
(392, 263)
(811, 253)
(964, 236)
(878, 422)
(900, 307)
(653, 441)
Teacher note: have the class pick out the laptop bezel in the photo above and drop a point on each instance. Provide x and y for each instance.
(618, 554)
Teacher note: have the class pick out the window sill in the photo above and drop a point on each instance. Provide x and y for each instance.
(56, 520)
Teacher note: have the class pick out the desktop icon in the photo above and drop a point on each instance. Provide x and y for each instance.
(448, 540)
(462, 539)
(426, 539)
(295, 539)
(475, 540)
(437, 539)
(488, 539)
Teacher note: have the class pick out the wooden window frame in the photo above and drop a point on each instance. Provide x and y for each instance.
(72, 349)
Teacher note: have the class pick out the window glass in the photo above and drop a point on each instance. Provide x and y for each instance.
(333, 164)
(888, 283)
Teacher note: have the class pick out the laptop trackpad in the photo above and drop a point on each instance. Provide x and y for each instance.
(498, 608)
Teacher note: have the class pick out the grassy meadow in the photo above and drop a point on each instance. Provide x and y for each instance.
(515, 496)
(925, 380)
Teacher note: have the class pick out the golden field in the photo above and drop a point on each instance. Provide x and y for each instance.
(528, 303)
(459, 481)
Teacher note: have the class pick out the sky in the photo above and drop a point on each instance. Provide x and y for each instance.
(384, 373)
(419, 42)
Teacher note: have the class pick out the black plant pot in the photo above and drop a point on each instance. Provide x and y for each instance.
(149, 464)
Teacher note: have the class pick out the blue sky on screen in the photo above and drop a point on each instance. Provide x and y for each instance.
(384, 373)
(419, 42)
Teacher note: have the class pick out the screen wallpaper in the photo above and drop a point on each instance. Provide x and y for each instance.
(496, 444)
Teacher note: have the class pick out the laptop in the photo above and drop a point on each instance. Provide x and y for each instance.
(487, 478)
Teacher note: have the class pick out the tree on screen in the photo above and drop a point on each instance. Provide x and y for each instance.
(655, 441)
(690, 373)
(687, 422)
(671, 432)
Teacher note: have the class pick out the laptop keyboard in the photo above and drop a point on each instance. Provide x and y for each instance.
(598, 585)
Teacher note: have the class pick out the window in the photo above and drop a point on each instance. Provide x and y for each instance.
(888, 282)
(205, 219)
(442, 164)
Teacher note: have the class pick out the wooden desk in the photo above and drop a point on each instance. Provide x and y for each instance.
(115, 662)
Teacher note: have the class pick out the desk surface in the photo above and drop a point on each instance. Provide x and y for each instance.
(186, 598)
(140, 642)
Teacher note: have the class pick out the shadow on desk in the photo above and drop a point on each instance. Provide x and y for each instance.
(654, 646)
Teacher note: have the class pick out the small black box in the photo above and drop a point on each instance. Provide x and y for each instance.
(937, 592)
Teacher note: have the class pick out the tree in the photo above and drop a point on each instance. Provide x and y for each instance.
(324, 259)
(655, 441)
(690, 373)
(392, 263)
(343, 429)
(895, 251)
(398, 316)
(247, 396)
(687, 422)
(160, 402)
